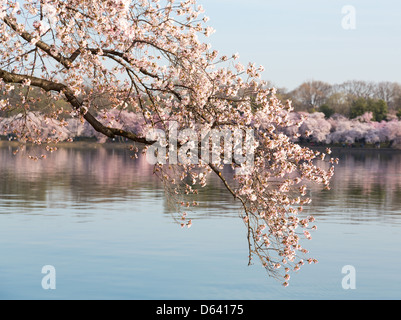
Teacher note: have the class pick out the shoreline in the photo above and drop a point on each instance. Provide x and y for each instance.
(347, 147)
(71, 145)
(126, 145)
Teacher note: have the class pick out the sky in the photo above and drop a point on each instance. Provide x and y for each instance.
(301, 40)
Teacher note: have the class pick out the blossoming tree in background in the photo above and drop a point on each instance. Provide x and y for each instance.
(105, 57)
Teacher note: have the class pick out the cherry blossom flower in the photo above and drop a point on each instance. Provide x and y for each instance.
(119, 69)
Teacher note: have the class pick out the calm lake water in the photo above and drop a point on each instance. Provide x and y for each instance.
(102, 220)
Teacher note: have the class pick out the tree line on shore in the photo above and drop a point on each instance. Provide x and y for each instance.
(310, 128)
(350, 99)
(352, 113)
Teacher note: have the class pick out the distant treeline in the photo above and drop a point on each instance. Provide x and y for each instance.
(305, 127)
(350, 99)
(354, 112)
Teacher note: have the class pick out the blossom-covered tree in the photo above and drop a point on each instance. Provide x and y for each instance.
(149, 56)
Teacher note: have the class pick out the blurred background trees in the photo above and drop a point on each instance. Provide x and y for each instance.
(351, 98)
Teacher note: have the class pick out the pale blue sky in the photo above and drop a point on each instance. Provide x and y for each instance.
(302, 40)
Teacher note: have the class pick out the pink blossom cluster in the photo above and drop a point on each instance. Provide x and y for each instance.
(39, 128)
(339, 129)
(120, 119)
(35, 127)
(101, 56)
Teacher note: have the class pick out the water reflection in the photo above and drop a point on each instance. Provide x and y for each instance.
(88, 174)
(73, 175)
(366, 187)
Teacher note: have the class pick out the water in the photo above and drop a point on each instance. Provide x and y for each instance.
(102, 220)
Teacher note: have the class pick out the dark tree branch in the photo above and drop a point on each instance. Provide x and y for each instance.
(39, 44)
(75, 103)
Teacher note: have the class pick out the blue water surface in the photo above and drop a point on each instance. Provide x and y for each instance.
(103, 221)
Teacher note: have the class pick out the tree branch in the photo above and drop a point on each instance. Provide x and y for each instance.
(75, 103)
(40, 44)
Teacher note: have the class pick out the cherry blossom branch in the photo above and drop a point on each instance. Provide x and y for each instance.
(73, 100)
(102, 52)
(38, 43)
